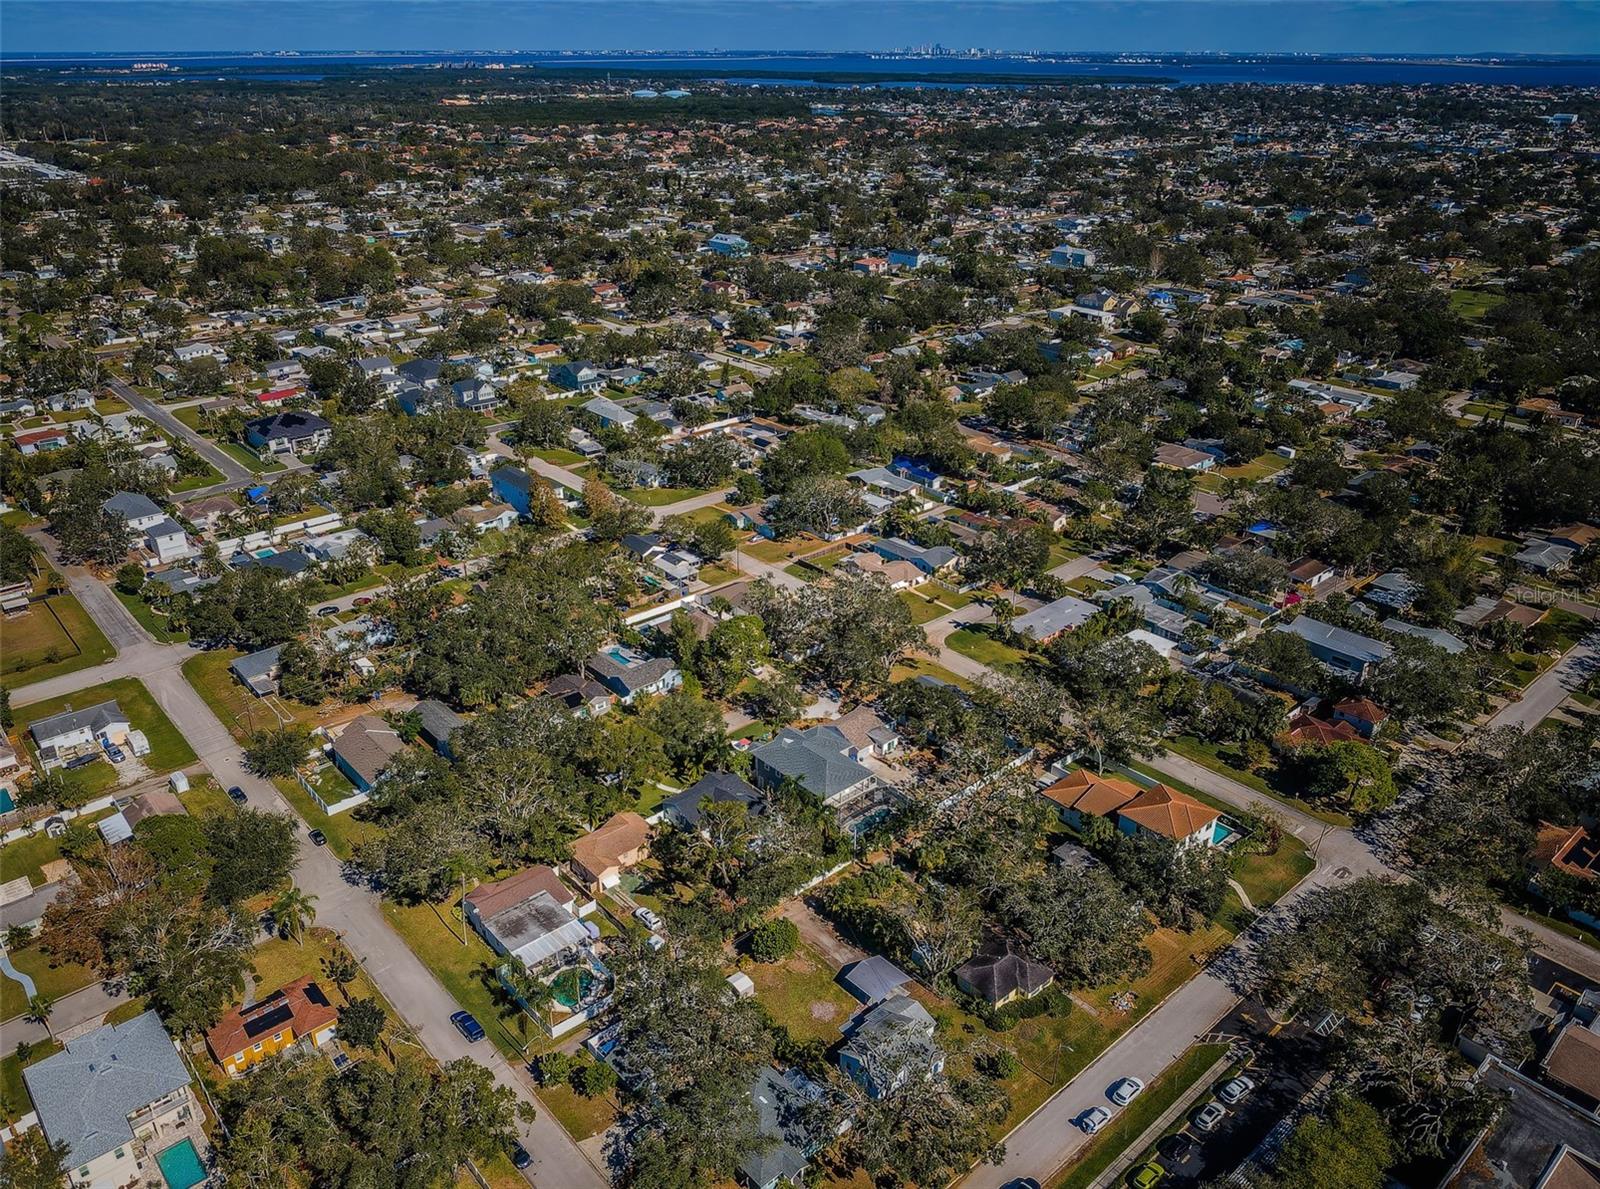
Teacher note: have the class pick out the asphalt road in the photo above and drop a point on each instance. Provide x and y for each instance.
(233, 471)
(1551, 688)
(342, 904)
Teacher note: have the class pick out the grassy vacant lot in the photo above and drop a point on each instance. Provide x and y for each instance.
(56, 636)
(149, 618)
(981, 644)
(261, 466)
(800, 993)
(168, 749)
(562, 458)
(236, 707)
(51, 980)
(1473, 304)
(659, 497)
(921, 666)
(582, 1117)
(1129, 1124)
(787, 549)
(1215, 756)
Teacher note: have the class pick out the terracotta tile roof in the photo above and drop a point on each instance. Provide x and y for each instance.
(1088, 792)
(1362, 708)
(1168, 812)
(493, 898)
(1574, 1060)
(1568, 848)
(300, 1003)
(1308, 731)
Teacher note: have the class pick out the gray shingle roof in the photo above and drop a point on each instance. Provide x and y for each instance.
(815, 758)
(130, 505)
(96, 718)
(85, 1093)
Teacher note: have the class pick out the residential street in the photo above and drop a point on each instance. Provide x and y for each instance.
(233, 471)
(351, 908)
(1550, 688)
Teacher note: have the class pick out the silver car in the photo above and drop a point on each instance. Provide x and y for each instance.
(1236, 1090)
(1208, 1116)
(1126, 1090)
(1093, 1119)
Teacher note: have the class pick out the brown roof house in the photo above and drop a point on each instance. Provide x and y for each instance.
(601, 856)
(294, 1012)
(1155, 810)
(363, 751)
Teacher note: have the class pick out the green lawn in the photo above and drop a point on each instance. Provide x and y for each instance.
(582, 1117)
(55, 637)
(149, 618)
(27, 856)
(190, 415)
(344, 832)
(14, 1100)
(205, 798)
(921, 606)
(168, 748)
(800, 993)
(562, 458)
(1128, 1124)
(192, 482)
(261, 466)
(980, 644)
(1215, 756)
(787, 549)
(1473, 304)
(657, 497)
(920, 666)
(238, 709)
(52, 981)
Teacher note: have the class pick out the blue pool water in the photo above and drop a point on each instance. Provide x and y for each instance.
(180, 1165)
(1222, 833)
(6, 803)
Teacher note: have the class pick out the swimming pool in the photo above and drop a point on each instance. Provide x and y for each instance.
(180, 1165)
(6, 803)
(1221, 834)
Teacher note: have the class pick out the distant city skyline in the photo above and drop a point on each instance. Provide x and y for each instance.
(1238, 26)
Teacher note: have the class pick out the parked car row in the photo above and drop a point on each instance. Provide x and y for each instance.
(1177, 1148)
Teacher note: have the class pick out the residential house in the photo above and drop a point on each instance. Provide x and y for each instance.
(785, 1119)
(1573, 851)
(1536, 1137)
(631, 674)
(1000, 973)
(39, 441)
(119, 827)
(1364, 716)
(1158, 810)
(726, 243)
(896, 575)
(683, 809)
(437, 724)
(515, 486)
(873, 979)
(1043, 624)
(296, 433)
(609, 413)
(580, 376)
(364, 749)
(931, 561)
(476, 396)
(816, 757)
(1544, 557)
(867, 733)
(581, 695)
(259, 671)
(297, 1012)
(529, 916)
(888, 1044)
(1339, 649)
(61, 738)
(1182, 458)
(1068, 256)
(115, 1096)
(599, 858)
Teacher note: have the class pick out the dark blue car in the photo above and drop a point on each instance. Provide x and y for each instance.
(469, 1027)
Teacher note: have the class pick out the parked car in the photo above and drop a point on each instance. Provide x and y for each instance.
(330, 609)
(1177, 1148)
(1208, 1116)
(364, 601)
(520, 1157)
(114, 753)
(1126, 1090)
(1148, 1176)
(236, 795)
(648, 918)
(82, 761)
(468, 1026)
(1236, 1090)
(1021, 1183)
(1093, 1119)
(318, 838)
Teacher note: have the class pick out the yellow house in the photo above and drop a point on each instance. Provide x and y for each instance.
(294, 1012)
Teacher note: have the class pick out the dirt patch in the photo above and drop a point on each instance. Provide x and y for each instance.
(822, 1011)
(798, 966)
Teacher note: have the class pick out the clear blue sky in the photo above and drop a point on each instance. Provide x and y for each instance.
(1384, 26)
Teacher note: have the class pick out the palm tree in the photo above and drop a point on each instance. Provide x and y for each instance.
(39, 1009)
(293, 912)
